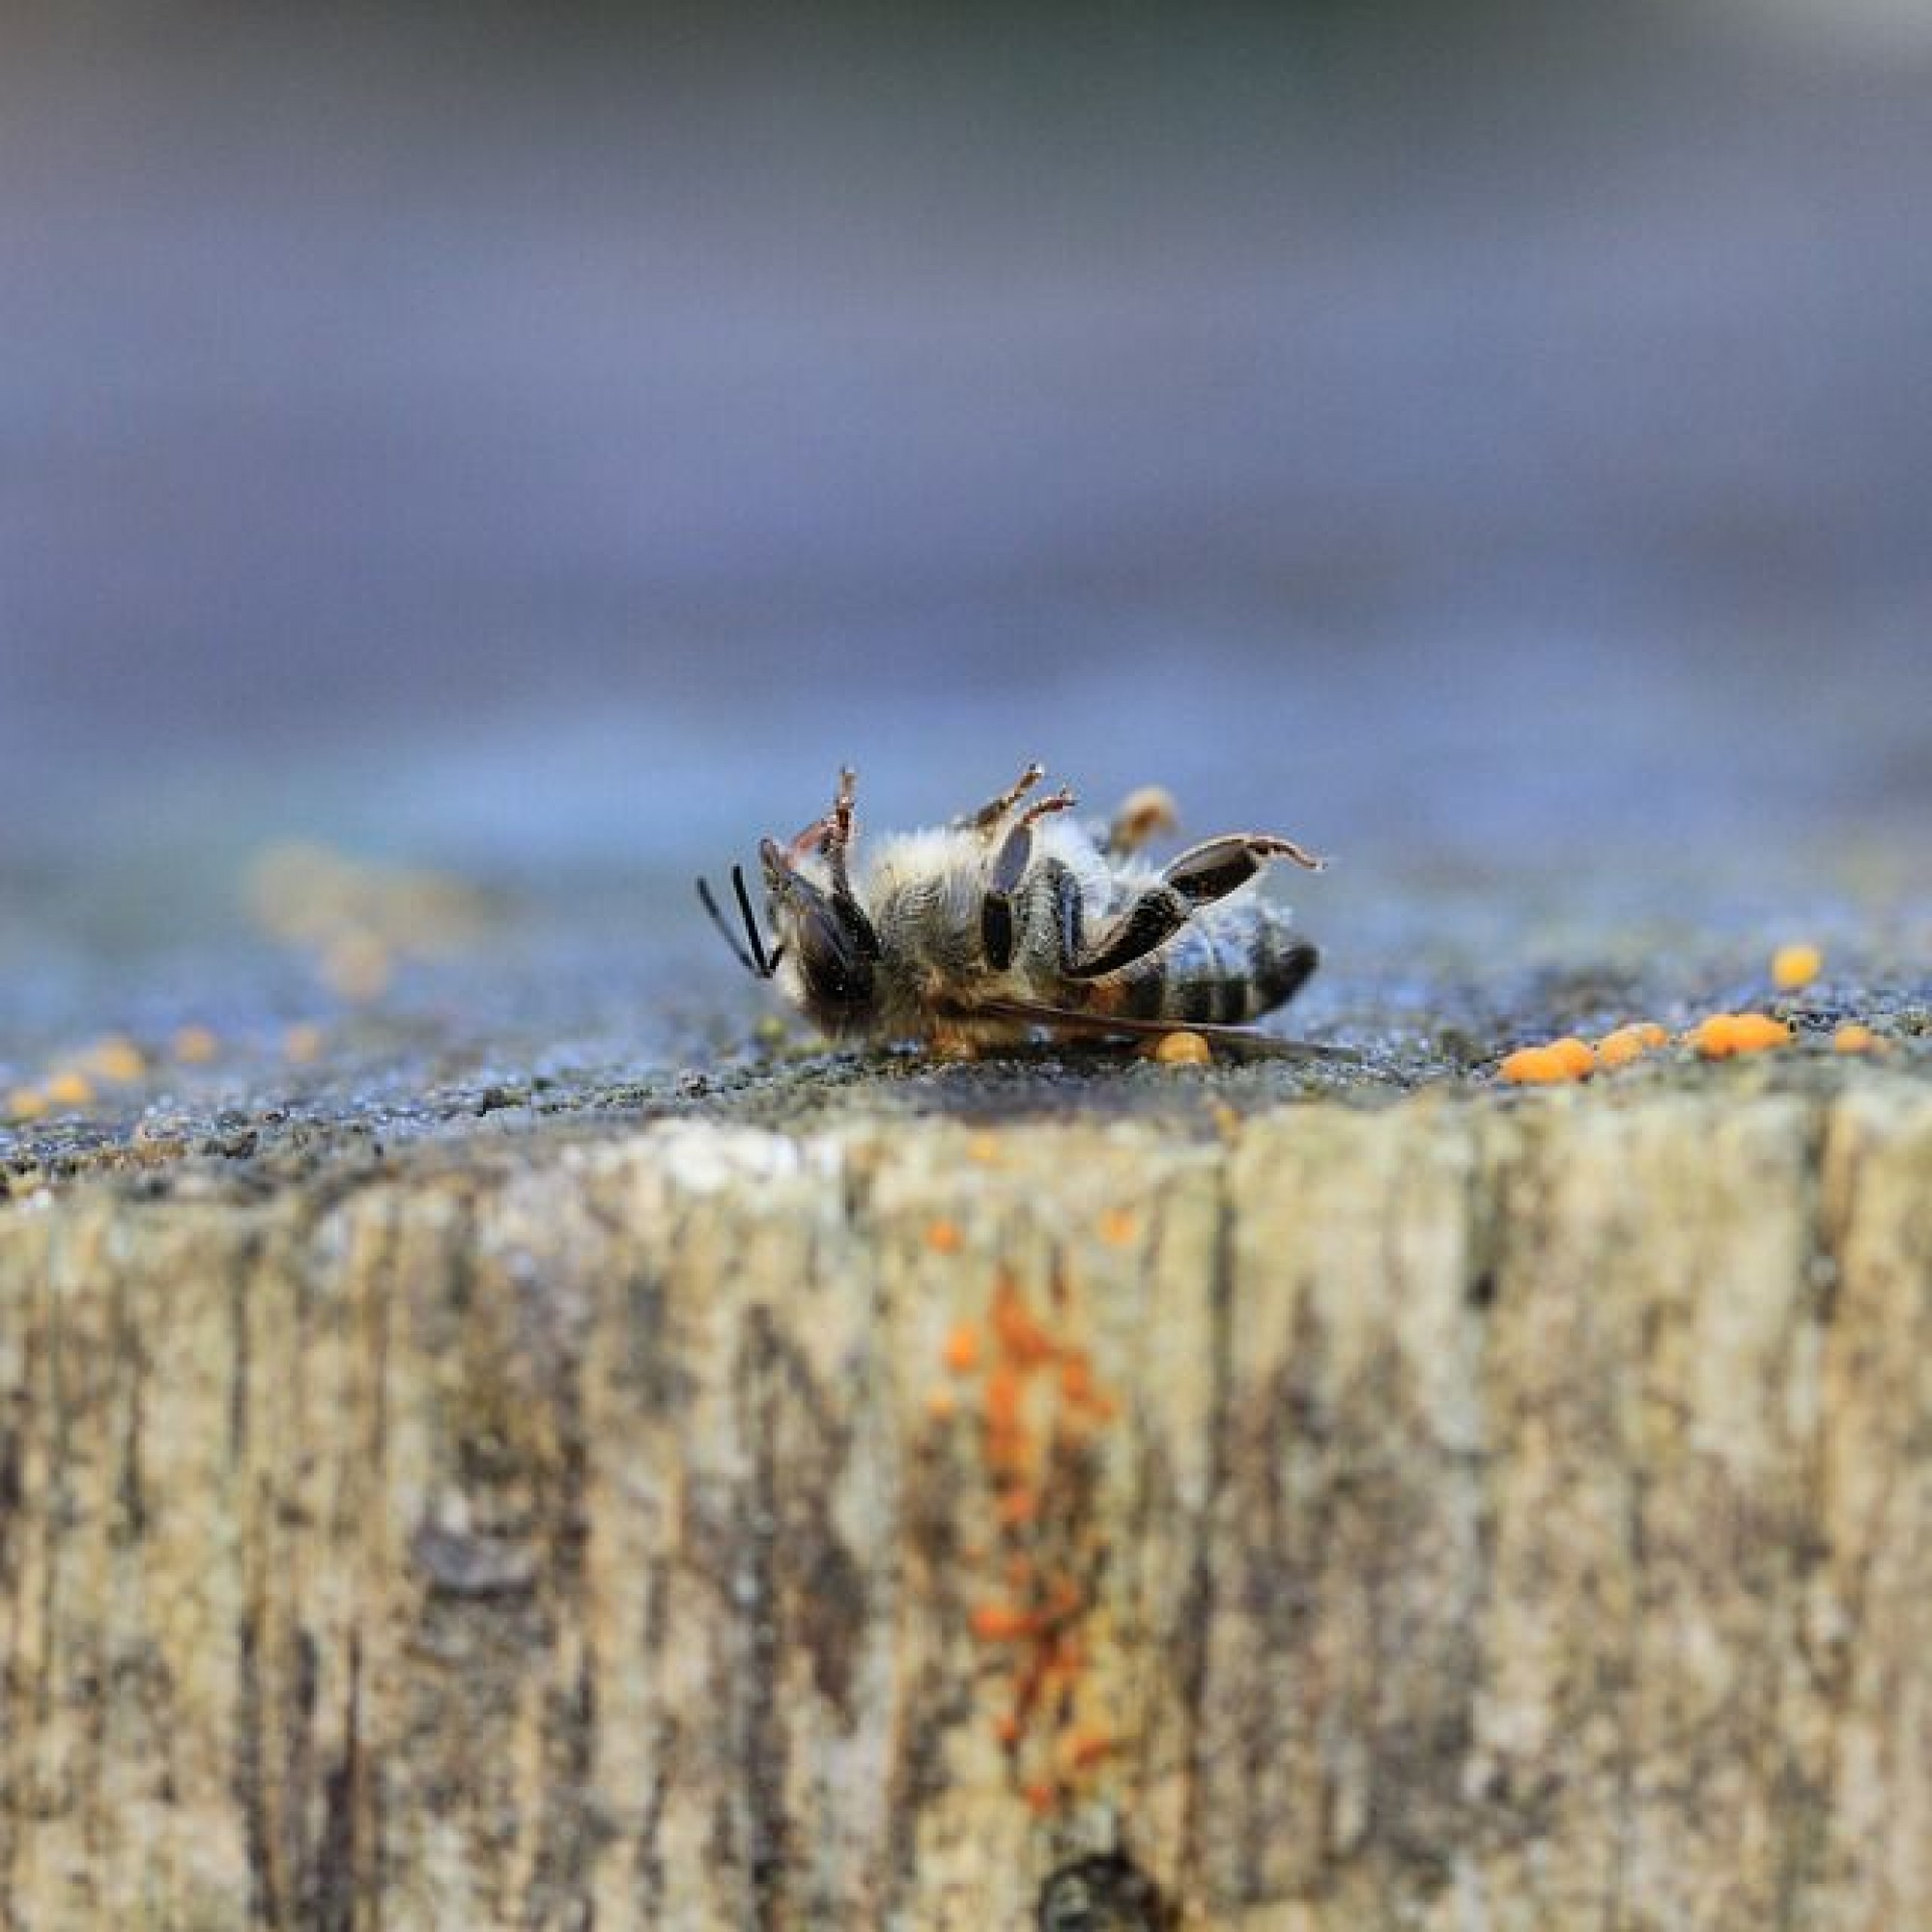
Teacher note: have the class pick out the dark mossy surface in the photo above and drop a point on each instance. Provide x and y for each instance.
(423, 1082)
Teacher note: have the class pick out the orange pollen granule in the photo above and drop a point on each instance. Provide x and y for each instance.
(194, 1044)
(1575, 1054)
(1625, 1043)
(69, 1088)
(1182, 1050)
(1541, 1066)
(1723, 1034)
(117, 1059)
(963, 1348)
(302, 1042)
(1795, 966)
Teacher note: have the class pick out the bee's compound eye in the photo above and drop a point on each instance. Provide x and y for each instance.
(835, 972)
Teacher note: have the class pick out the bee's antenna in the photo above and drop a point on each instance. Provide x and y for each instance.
(755, 961)
(752, 933)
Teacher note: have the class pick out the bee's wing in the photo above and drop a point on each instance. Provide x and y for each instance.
(1249, 1040)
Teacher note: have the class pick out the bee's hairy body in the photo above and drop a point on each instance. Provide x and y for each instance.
(1021, 919)
(923, 890)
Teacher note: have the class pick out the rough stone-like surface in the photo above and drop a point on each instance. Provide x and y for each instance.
(1467, 1510)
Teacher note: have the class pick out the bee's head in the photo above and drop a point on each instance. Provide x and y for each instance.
(825, 945)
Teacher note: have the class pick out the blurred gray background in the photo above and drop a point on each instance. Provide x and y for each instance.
(544, 445)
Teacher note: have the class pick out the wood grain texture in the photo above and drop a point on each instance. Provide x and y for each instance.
(1446, 1516)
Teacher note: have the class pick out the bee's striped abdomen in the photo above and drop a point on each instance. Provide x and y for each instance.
(1220, 972)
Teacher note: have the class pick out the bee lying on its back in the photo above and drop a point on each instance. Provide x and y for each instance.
(1019, 919)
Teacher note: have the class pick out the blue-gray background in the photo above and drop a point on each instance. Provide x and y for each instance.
(1497, 449)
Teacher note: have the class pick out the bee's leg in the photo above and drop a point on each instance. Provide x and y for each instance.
(989, 814)
(1142, 814)
(812, 838)
(1216, 866)
(1009, 863)
(831, 835)
(836, 843)
(839, 831)
(1202, 874)
(1154, 916)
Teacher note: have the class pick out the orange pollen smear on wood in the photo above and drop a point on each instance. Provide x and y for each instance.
(1723, 1034)
(1022, 1339)
(1009, 1444)
(1064, 1598)
(1039, 1404)
(1001, 1623)
(1004, 1397)
(1795, 966)
(1063, 1663)
(1082, 1392)
(1119, 1226)
(1083, 1749)
(944, 1237)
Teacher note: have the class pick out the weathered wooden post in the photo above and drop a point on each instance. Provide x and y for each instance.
(1475, 1511)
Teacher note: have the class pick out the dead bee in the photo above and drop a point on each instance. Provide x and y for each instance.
(1019, 919)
